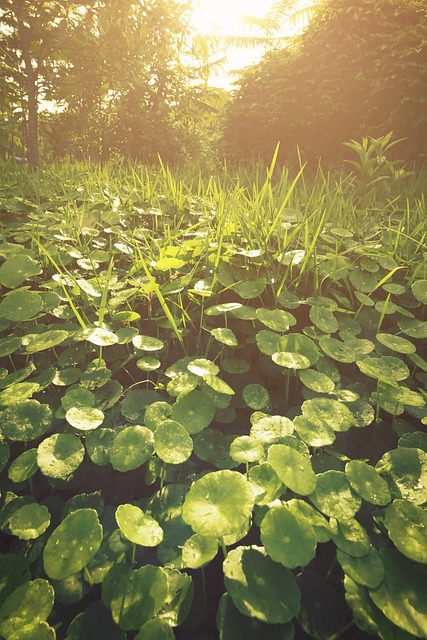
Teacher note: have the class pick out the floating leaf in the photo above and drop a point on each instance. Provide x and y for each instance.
(267, 341)
(246, 449)
(15, 270)
(225, 336)
(256, 396)
(136, 402)
(272, 429)
(324, 319)
(46, 340)
(218, 504)
(194, 410)
(350, 537)
(29, 603)
(164, 264)
(413, 327)
(249, 289)
(337, 350)
(293, 469)
(334, 496)
(99, 336)
(259, 587)
(288, 537)
(172, 442)
(30, 521)
(396, 343)
(18, 392)
(330, 412)
(265, 483)
(98, 445)
(407, 526)
(202, 367)
(199, 551)
(401, 596)
(298, 343)
(72, 544)
(387, 369)
(84, 418)
(26, 420)
(366, 481)
(234, 625)
(60, 455)
(134, 596)
(137, 526)
(147, 343)
(276, 319)
(131, 448)
(318, 522)
(148, 363)
(419, 289)
(155, 629)
(406, 473)
(316, 381)
(157, 413)
(313, 431)
(365, 570)
(9, 345)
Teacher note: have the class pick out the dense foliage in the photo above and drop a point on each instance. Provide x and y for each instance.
(213, 404)
(360, 68)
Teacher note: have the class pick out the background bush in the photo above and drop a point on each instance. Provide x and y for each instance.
(360, 68)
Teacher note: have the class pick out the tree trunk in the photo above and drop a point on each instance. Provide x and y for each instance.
(32, 90)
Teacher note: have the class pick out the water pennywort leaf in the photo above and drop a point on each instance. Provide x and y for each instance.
(137, 526)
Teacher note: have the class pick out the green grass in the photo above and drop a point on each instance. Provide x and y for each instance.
(212, 373)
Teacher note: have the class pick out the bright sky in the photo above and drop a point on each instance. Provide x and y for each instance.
(224, 17)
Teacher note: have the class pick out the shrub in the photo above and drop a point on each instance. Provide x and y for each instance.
(360, 68)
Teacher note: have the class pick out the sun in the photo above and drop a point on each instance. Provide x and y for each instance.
(224, 17)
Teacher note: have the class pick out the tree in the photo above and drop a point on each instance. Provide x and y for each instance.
(360, 68)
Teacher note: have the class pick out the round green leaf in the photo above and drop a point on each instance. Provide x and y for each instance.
(366, 481)
(98, 445)
(234, 625)
(334, 496)
(202, 367)
(26, 420)
(225, 336)
(406, 473)
(131, 448)
(72, 544)
(164, 264)
(148, 363)
(78, 398)
(15, 270)
(318, 522)
(401, 596)
(293, 469)
(39, 630)
(291, 360)
(300, 344)
(156, 413)
(31, 602)
(199, 551)
(84, 418)
(19, 306)
(419, 289)
(337, 350)
(172, 442)
(316, 381)
(331, 412)
(267, 341)
(276, 319)
(218, 385)
(194, 410)
(246, 449)
(396, 343)
(155, 629)
(9, 345)
(211, 445)
(413, 327)
(136, 402)
(137, 526)
(218, 504)
(288, 537)
(350, 537)
(134, 596)
(324, 319)
(46, 340)
(387, 369)
(407, 526)
(249, 289)
(365, 570)
(313, 431)
(4, 456)
(60, 455)
(256, 396)
(18, 392)
(30, 521)
(272, 429)
(100, 337)
(147, 343)
(259, 587)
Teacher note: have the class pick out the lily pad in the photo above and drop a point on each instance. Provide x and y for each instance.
(194, 410)
(137, 526)
(135, 403)
(134, 596)
(131, 448)
(98, 445)
(401, 596)
(293, 469)
(218, 504)
(288, 537)
(334, 496)
(19, 306)
(172, 442)
(259, 587)
(407, 526)
(30, 521)
(84, 418)
(60, 455)
(366, 481)
(72, 544)
(26, 420)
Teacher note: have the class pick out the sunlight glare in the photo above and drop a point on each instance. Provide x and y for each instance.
(224, 17)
